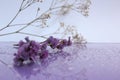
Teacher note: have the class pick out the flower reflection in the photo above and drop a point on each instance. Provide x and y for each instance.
(34, 69)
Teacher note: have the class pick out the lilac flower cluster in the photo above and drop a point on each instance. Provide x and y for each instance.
(29, 50)
(57, 43)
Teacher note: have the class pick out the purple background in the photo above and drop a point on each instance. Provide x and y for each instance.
(93, 62)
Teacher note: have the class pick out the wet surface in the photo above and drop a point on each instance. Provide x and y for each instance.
(94, 62)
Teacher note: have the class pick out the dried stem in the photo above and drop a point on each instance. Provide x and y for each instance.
(63, 9)
(14, 16)
(32, 34)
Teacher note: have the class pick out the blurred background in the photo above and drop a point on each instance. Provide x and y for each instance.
(102, 24)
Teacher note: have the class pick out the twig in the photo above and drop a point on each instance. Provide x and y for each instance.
(51, 4)
(14, 17)
(17, 24)
(8, 33)
(3, 62)
(32, 34)
(37, 18)
(51, 9)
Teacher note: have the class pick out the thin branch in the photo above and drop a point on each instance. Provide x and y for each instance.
(27, 6)
(14, 17)
(3, 62)
(17, 24)
(8, 33)
(34, 20)
(51, 4)
(27, 25)
(51, 9)
(37, 12)
(32, 34)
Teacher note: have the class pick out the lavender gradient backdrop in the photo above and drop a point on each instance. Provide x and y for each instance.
(94, 62)
(101, 26)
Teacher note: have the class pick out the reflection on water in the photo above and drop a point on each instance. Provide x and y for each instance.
(61, 65)
(55, 65)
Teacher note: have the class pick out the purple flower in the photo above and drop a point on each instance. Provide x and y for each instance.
(50, 39)
(69, 42)
(34, 46)
(26, 51)
(18, 61)
(43, 46)
(60, 46)
(54, 43)
(23, 51)
(44, 54)
(27, 39)
(21, 43)
(64, 42)
(31, 50)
